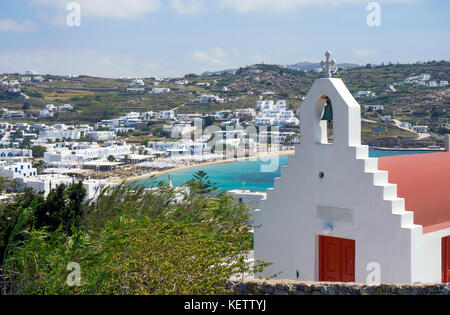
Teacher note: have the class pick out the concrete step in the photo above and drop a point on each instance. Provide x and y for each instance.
(362, 152)
(370, 165)
(380, 178)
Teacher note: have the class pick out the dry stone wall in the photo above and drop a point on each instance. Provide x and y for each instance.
(288, 287)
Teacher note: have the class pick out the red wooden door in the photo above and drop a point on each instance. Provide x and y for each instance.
(336, 259)
(446, 259)
(348, 260)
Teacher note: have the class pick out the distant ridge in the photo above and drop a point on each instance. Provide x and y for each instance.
(219, 72)
(309, 66)
(306, 66)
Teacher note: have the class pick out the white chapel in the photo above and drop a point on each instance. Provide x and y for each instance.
(336, 214)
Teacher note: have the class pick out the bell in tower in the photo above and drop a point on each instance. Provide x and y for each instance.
(328, 111)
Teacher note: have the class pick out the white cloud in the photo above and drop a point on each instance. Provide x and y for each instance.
(188, 7)
(214, 58)
(9, 25)
(132, 9)
(278, 6)
(116, 9)
(365, 53)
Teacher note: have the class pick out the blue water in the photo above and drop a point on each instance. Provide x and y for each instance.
(244, 174)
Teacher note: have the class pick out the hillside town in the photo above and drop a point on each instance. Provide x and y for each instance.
(47, 153)
(42, 156)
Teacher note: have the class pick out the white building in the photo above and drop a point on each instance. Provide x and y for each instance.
(101, 135)
(14, 83)
(187, 147)
(11, 153)
(179, 130)
(86, 152)
(16, 170)
(245, 112)
(166, 115)
(365, 94)
(45, 114)
(420, 129)
(433, 84)
(45, 183)
(51, 107)
(271, 114)
(65, 107)
(15, 90)
(137, 82)
(53, 133)
(136, 90)
(16, 114)
(374, 107)
(94, 187)
(337, 215)
(417, 79)
(160, 90)
(188, 117)
(209, 98)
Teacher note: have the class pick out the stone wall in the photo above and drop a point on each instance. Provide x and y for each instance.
(288, 287)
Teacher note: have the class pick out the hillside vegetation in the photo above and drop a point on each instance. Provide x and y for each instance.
(129, 241)
(95, 99)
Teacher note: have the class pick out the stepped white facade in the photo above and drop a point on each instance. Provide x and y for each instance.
(336, 190)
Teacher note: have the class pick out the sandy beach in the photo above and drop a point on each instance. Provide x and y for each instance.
(158, 173)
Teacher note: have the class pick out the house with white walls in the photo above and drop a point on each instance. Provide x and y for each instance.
(45, 183)
(17, 169)
(13, 153)
(166, 115)
(420, 129)
(65, 107)
(160, 91)
(336, 214)
(277, 114)
(101, 135)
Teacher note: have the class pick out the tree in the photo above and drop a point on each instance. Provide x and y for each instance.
(38, 151)
(201, 184)
(209, 121)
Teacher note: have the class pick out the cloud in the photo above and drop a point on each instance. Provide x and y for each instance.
(9, 25)
(280, 6)
(115, 9)
(214, 58)
(186, 7)
(132, 9)
(365, 53)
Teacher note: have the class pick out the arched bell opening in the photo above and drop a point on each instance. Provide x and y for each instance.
(326, 120)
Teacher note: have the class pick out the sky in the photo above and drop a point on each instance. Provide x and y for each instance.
(169, 38)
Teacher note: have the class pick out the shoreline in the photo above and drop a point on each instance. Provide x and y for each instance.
(407, 149)
(185, 167)
(252, 157)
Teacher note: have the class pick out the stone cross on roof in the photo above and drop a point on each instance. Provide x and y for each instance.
(327, 64)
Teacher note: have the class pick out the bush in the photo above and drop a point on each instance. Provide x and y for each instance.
(136, 241)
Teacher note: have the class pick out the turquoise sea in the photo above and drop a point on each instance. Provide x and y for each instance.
(244, 174)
